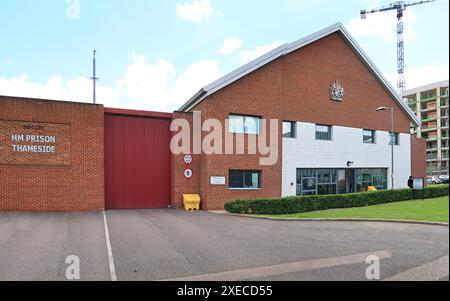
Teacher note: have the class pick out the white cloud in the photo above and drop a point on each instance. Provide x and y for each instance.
(156, 87)
(383, 25)
(249, 55)
(427, 74)
(197, 10)
(230, 45)
(78, 89)
(143, 86)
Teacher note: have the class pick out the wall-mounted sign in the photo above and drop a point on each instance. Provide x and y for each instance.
(188, 159)
(34, 143)
(220, 181)
(337, 91)
(188, 173)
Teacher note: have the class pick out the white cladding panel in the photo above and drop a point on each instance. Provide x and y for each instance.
(346, 145)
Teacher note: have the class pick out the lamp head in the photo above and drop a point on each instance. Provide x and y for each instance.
(382, 109)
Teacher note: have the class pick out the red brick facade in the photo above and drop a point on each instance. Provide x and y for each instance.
(292, 88)
(72, 178)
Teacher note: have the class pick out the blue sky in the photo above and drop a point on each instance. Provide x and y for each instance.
(154, 54)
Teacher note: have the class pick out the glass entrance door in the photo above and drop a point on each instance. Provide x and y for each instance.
(350, 181)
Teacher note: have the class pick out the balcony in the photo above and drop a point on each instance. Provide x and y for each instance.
(427, 110)
(427, 129)
(429, 98)
(428, 119)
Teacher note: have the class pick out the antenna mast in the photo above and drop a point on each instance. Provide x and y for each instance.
(94, 77)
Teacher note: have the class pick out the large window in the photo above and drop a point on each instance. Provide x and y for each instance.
(244, 179)
(289, 129)
(371, 177)
(244, 124)
(369, 136)
(323, 132)
(339, 181)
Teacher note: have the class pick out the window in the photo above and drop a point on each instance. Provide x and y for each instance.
(244, 124)
(289, 129)
(306, 182)
(326, 182)
(369, 136)
(241, 179)
(339, 181)
(371, 177)
(395, 139)
(323, 132)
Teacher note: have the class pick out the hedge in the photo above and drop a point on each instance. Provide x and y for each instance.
(301, 204)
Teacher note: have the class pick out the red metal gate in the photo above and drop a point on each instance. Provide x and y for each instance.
(137, 159)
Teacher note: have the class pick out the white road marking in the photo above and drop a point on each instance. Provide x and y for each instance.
(112, 268)
(293, 267)
(432, 271)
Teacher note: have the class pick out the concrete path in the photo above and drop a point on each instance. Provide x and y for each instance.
(190, 246)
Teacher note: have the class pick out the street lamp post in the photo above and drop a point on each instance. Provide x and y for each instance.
(384, 109)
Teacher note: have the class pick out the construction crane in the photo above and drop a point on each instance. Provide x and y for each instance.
(400, 6)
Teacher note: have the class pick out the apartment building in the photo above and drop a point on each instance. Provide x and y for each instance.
(430, 103)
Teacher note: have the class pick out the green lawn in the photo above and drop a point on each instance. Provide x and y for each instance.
(433, 210)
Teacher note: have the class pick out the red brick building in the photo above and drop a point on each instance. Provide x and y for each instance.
(322, 90)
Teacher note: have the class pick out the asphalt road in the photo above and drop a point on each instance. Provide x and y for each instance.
(178, 245)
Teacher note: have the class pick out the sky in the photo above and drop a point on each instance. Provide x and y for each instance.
(156, 54)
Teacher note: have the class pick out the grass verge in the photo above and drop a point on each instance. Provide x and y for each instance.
(431, 210)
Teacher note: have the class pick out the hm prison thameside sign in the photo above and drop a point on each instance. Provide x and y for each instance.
(25, 143)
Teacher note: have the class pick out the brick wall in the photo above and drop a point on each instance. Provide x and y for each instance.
(294, 88)
(72, 179)
(180, 184)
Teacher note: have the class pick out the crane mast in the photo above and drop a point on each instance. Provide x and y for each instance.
(400, 6)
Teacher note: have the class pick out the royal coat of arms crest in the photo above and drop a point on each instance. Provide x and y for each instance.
(337, 92)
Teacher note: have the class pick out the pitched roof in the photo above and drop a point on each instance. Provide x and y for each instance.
(291, 47)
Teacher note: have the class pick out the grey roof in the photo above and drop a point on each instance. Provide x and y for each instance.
(286, 49)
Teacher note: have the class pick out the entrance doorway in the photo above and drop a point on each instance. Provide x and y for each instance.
(350, 181)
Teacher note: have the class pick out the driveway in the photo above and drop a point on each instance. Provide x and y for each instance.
(178, 245)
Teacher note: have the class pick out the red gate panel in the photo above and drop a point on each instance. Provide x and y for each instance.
(137, 160)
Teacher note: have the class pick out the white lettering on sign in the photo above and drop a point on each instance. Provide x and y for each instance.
(38, 149)
(218, 181)
(34, 149)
